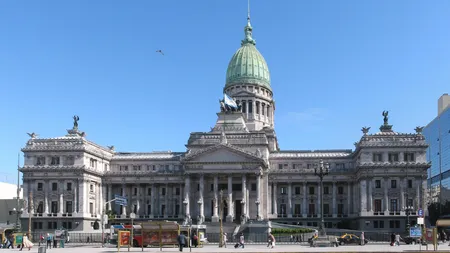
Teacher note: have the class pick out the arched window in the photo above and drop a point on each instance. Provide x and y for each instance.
(263, 108)
(257, 107)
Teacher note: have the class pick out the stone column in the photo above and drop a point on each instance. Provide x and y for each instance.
(244, 195)
(230, 198)
(201, 199)
(369, 196)
(46, 189)
(75, 197)
(61, 203)
(153, 201)
(363, 190)
(403, 202)
(334, 200)
(304, 201)
(349, 199)
(110, 197)
(166, 202)
(253, 109)
(187, 185)
(215, 217)
(275, 199)
(289, 207)
(124, 194)
(181, 201)
(386, 197)
(419, 185)
(258, 195)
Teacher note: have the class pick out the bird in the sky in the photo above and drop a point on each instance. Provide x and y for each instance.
(160, 51)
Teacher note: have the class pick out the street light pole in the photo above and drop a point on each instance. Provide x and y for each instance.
(321, 171)
(103, 222)
(17, 209)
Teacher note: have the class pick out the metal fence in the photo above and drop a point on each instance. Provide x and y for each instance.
(73, 238)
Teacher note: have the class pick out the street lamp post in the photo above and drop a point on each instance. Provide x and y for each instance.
(105, 220)
(321, 170)
(17, 212)
(408, 209)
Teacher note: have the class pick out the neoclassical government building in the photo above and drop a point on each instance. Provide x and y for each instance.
(71, 179)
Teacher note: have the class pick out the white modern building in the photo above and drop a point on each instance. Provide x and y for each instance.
(239, 161)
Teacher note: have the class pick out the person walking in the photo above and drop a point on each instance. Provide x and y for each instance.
(397, 239)
(181, 241)
(271, 241)
(224, 239)
(362, 239)
(241, 240)
(392, 239)
(26, 243)
(49, 240)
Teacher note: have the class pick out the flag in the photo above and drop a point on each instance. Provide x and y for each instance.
(229, 101)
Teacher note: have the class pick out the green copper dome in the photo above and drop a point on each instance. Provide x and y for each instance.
(248, 65)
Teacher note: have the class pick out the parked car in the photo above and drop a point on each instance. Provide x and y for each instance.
(350, 239)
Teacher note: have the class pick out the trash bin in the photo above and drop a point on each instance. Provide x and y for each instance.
(42, 249)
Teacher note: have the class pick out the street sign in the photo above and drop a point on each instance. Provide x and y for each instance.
(415, 232)
(420, 221)
(420, 212)
(120, 200)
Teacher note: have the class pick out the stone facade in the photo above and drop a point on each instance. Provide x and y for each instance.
(72, 180)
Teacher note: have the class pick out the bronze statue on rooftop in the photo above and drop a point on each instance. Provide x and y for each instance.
(75, 121)
(386, 118)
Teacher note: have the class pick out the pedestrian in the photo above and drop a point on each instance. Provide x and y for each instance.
(26, 243)
(397, 239)
(271, 240)
(241, 240)
(224, 240)
(49, 240)
(392, 239)
(362, 239)
(181, 241)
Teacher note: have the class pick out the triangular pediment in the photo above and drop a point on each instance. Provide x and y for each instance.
(243, 93)
(222, 153)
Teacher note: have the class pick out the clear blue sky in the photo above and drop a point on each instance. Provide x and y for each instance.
(335, 66)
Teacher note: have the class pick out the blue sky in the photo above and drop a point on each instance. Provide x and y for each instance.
(335, 66)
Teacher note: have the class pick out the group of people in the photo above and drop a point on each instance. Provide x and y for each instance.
(182, 240)
(26, 243)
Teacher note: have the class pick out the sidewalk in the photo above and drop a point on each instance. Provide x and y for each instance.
(260, 248)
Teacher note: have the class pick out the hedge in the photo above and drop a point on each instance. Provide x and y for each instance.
(291, 230)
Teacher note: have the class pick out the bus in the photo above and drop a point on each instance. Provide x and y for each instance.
(137, 235)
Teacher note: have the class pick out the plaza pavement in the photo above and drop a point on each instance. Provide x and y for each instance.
(256, 249)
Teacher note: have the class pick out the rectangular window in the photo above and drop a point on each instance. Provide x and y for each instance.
(177, 209)
(253, 187)
(257, 107)
(55, 160)
(340, 166)
(326, 208)
(393, 157)
(377, 157)
(375, 224)
(381, 223)
(149, 209)
(91, 208)
(377, 204)
(163, 191)
(93, 163)
(135, 191)
(280, 166)
(149, 191)
(39, 186)
(326, 190)
(91, 188)
(69, 207)
(250, 106)
(177, 191)
(136, 167)
(410, 183)
(54, 186)
(297, 209)
(311, 209)
(311, 190)
(237, 187)
(409, 157)
(283, 209)
(40, 208)
(263, 106)
(378, 184)
(69, 187)
(340, 190)
(393, 183)
(340, 209)
(283, 190)
(309, 166)
(123, 168)
(393, 207)
(54, 206)
(163, 210)
(211, 187)
(297, 190)
(40, 160)
(410, 202)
